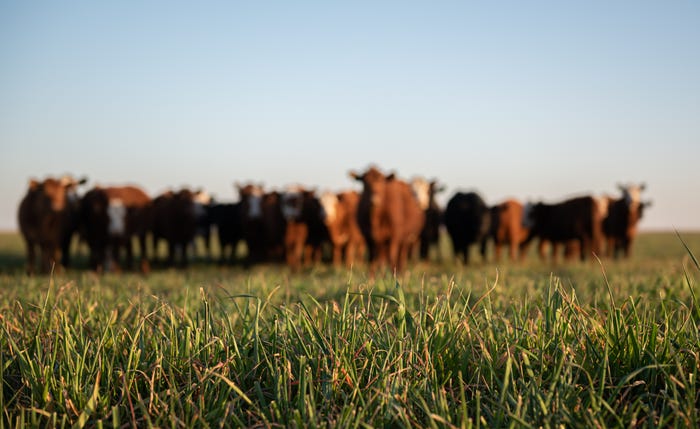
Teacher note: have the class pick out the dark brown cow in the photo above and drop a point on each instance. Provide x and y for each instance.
(390, 218)
(507, 227)
(226, 218)
(425, 193)
(305, 230)
(262, 224)
(110, 218)
(46, 217)
(623, 215)
(577, 219)
(339, 213)
(175, 220)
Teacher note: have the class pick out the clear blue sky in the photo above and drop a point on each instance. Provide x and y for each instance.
(525, 99)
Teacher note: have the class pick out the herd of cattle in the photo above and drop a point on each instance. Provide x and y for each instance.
(389, 222)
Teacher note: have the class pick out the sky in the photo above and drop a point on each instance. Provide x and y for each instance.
(533, 100)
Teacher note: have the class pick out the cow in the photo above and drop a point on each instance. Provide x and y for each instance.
(573, 222)
(202, 202)
(623, 215)
(226, 218)
(339, 213)
(175, 220)
(467, 219)
(110, 217)
(508, 227)
(425, 194)
(262, 223)
(390, 218)
(304, 231)
(47, 221)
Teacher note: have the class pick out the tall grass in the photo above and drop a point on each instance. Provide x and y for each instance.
(581, 345)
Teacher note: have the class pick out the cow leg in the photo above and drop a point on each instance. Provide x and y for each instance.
(522, 250)
(484, 244)
(513, 249)
(65, 249)
(143, 254)
(185, 256)
(627, 248)
(424, 249)
(541, 249)
(49, 257)
(129, 250)
(31, 256)
(338, 254)
(555, 251)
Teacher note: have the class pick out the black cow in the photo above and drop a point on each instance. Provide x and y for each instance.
(227, 217)
(577, 220)
(467, 219)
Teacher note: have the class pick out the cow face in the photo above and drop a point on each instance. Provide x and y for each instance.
(292, 203)
(55, 191)
(329, 207)
(421, 190)
(632, 194)
(374, 183)
(252, 197)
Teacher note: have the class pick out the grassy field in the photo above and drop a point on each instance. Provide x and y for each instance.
(609, 344)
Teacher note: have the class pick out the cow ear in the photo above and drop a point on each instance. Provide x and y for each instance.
(391, 176)
(83, 180)
(33, 184)
(356, 176)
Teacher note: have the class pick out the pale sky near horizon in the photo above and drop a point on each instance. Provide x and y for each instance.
(536, 100)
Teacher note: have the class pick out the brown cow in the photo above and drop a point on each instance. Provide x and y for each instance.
(110, 218)
(623, 215)
(305, 230)
(262, 223)
(339, 213)
(46, 218)
(507, 227)
(390, 218)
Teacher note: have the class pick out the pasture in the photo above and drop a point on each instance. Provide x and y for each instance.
(609, 344)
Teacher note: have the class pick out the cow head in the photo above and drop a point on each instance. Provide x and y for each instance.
(292, 202)
(632, 194)
(374, 184)
(421, 190)
(425, 191)
(329, 207)
(251, 196)
(57, 192)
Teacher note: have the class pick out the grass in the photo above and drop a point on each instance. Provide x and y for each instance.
(610, 344)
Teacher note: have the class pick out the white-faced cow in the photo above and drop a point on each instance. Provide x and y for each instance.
(47, 217)
(467, 220)
(390, 218)
(623, 215)
(425, 192)
(339, 213)
(110, 218)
